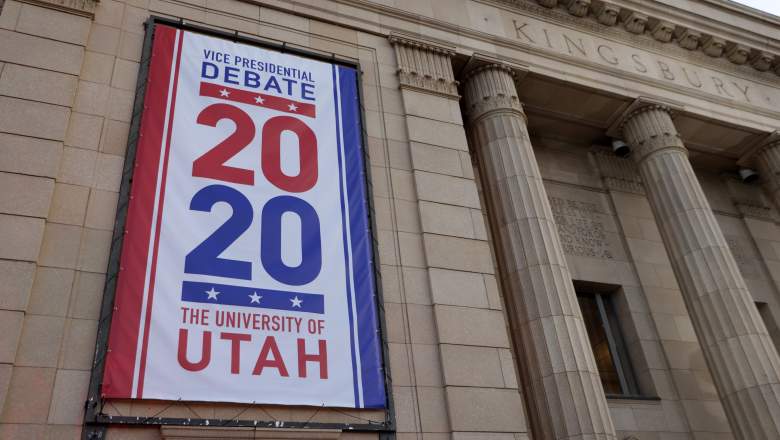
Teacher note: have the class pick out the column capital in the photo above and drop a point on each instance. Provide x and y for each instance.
(424, 65)
(647, 126)
(640, 105)
(764, 156)
(479, 59)
(491, 85)
(771, 140)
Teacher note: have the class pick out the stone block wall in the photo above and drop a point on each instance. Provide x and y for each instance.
(61, 154)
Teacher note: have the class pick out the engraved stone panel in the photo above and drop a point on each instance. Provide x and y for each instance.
(582, 233)
(585, 224)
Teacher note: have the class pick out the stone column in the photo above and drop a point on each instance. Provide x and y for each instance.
(566, 396)
(767, 160)
(740, 354)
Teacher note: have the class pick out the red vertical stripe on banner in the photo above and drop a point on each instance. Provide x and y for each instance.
(125, 324)
(158, 221)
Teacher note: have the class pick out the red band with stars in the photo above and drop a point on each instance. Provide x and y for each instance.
(258, 99)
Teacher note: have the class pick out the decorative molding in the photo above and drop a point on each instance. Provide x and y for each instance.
(634, 22)
(663, 31)
(606, 13)
(85, 8)
(578, 8)
(687, 38)
(737, 53)
(761, 60)
(617, 173)
(424, 66)
(713, 46)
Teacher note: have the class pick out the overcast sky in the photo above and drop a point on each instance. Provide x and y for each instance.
(771, 6)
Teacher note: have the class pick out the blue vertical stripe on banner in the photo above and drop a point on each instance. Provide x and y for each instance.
(352, 335)
(373, 378)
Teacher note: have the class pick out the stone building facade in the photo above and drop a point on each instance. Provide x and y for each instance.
(535, 283)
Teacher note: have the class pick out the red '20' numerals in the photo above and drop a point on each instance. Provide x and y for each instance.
(211, 164)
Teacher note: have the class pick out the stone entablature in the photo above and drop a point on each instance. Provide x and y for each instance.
(661, 30)
(669, 66)
(584, 51)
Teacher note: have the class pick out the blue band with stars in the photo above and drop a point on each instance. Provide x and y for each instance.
(210, 293)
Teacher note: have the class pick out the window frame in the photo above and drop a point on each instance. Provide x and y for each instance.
(608, 320)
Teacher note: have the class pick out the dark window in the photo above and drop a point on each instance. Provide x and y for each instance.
(769, 322)
(608, 346)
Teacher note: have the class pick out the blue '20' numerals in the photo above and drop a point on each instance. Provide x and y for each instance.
(205, 260)
(271, 241)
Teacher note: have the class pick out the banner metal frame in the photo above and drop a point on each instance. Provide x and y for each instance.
(96, 422)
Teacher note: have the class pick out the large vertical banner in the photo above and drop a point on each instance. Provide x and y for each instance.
(246, 272)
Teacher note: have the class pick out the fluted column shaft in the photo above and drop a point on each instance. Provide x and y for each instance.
(567, 398)
(768, 164)
(743, 361)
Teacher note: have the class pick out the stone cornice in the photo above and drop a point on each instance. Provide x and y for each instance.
(424, 66)
(746, 10)
(649, 29)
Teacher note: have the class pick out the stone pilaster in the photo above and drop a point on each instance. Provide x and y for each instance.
(767, 160)
(741, 356)
(566, 396)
